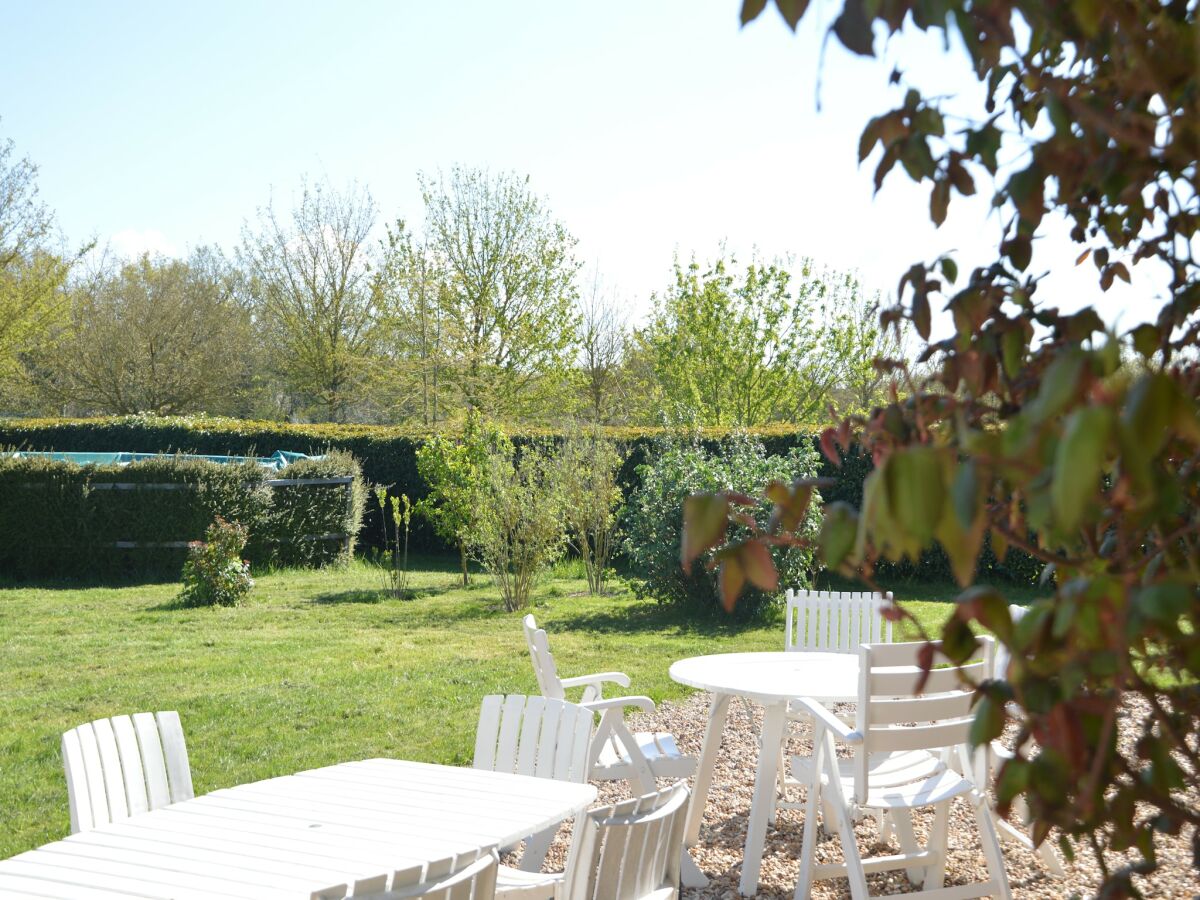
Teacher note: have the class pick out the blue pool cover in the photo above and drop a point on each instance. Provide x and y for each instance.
(278, 460)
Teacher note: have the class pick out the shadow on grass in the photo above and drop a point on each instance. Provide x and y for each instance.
(649, 616)
(352, 596)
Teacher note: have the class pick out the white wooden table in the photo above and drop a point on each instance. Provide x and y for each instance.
(289, 836)
(770, 679)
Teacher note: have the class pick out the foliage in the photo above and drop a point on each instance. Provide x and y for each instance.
(309, 283)
(32, 273)
(588, 468)
(517, 530)
(63, 519)
(388, 455)
(482, 307)
(678, 469)
(215, 573)
(163, 336)
(454, 468)
(1029, 430)
(742, 347)
(399, 510)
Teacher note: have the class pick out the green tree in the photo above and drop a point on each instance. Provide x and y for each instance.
(508, 273)
(589, 465)
(1026, 428)
(32, 273)
(164, 336)
(309, 278)
(454, 468)
(731, 346)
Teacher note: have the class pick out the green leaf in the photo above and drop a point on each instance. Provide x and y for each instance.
(920, 315)
(1079, 463)
(1164, 602)
(939, 201)
(731, 580)
(1058, 386)
(751, 9)
(916, 491)
(853, 28)
(838, 531)
(988, 723)
(791, 10)
(705, 521)
(1146, 339)
(755, 560)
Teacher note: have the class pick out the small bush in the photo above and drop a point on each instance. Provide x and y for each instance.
(588, 469)
(518, 532)
(215, 573)
(653, 518)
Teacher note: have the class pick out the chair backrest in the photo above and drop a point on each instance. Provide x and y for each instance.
(123, 766)
(1003, 657)
(534, 736)
(836, 621)
(544, 668)
(465, 876)
(892, 716)
(628, 851)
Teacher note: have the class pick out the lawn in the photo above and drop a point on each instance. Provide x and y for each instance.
(317, 667)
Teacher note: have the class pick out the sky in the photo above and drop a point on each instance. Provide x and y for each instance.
(652, 129)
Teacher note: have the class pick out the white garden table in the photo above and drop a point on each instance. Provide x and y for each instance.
(771, 679)
(289, 836)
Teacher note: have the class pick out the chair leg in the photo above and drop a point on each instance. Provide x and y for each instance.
(536, 848)
(935, 874)
(808, 843)
(907, 838)
(781, 793)
(854, 864)
(991, 846)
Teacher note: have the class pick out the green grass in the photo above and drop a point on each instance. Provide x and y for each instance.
(317, 667)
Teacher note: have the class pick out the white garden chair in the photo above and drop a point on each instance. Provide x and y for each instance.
(533, 736)
(616, 753)
(1001, 752)
(119, 767)
(898, 767)
(828, 622)
(466, 876)
(630, 851)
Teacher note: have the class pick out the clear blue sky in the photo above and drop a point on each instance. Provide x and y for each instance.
(651, 127)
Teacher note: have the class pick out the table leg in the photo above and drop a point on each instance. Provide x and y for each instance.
(704, 766)
(774, 721)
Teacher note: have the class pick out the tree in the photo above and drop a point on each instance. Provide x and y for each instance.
(589, 468)
(310, 281)
(412, 298)
(1026, 428)
(747, 347)
(603, 337)
(509, 277)
(454, 469)
(32, 274)
(164, 336)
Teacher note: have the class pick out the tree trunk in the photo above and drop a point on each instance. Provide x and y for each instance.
(462, 555)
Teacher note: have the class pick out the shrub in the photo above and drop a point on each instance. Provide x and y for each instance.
(588, 468)
(399, 511)
(215, 573)
(518, 531)
(61, 519)
(652, 517)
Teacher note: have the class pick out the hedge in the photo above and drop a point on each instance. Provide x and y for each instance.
(387, 455)
(61, 519)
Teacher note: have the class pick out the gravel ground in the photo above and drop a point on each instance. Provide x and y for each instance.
(722, 835)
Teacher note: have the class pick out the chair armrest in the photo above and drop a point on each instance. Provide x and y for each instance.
(598, 679)
(645, 704)
(822, 715)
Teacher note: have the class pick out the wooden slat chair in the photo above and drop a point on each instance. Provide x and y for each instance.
(466, 876)
(119, 767)
(630, 851)
(898, 767)
(533, 736)
(828, 622)
(1001, 752)
(617, 754)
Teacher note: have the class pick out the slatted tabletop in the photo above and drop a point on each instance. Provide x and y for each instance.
(286, 837)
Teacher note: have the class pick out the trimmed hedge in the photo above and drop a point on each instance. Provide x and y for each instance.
(388, 457)
(59, 518)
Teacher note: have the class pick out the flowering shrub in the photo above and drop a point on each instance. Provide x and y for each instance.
(215, 573)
